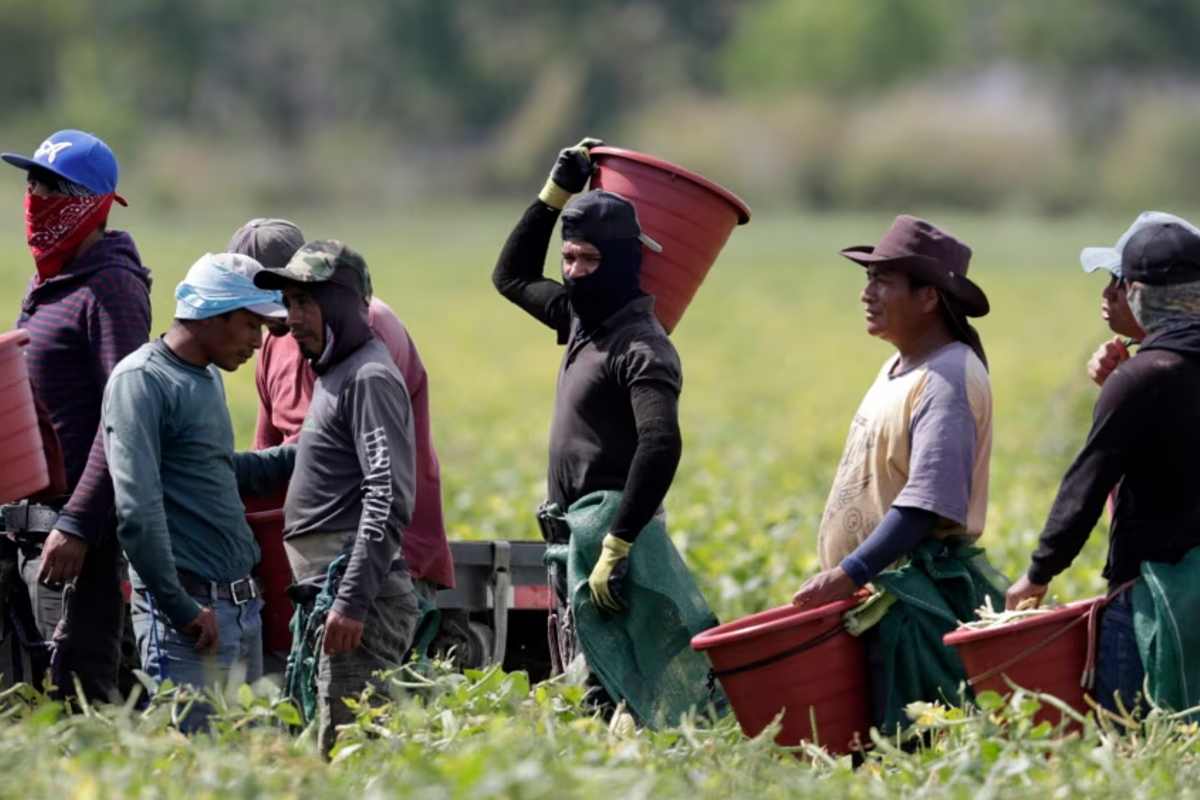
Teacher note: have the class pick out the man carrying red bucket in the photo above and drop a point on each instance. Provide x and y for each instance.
(614, 446)
(1143, 442)
(913, 478)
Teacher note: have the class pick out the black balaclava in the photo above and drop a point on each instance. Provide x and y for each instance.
(344, 312)
(608, 222)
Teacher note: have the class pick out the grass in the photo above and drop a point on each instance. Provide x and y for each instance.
(775, 361)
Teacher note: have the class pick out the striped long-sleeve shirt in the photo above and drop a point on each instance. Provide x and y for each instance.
(81, 323)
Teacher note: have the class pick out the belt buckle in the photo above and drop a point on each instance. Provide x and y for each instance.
(233, 591)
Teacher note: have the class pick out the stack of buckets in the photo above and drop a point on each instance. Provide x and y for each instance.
(23, 470)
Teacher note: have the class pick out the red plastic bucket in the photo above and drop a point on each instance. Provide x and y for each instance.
(22, 458)
(799, 662)
(689, 215)
(1045, 653)
(266, 521)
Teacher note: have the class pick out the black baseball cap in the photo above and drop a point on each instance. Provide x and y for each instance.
(1161, 255)
(600, 216)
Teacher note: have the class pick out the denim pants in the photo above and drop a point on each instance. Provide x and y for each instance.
(1119, 669)
(167, 653)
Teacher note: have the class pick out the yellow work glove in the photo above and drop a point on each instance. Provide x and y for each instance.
(610, 569)
(570, 174)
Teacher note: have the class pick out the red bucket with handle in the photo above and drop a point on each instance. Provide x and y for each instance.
(802, 664)
(23, 468)
(265, 516)
(1045, 653)
(689, 215)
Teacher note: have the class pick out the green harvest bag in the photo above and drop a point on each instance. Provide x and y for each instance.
(642, 655)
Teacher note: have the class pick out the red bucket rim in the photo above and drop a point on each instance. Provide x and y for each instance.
(19, 337)
(744, 629)
(743, 210)
(269, 515)
(1067, 613)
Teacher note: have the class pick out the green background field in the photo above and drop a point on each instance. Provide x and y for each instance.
(775, 361)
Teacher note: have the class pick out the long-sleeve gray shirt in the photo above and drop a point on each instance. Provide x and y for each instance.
(176, 477)
(355, 473)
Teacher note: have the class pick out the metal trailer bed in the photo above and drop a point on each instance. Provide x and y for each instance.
(499, 609)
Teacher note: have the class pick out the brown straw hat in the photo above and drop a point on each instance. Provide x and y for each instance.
(922, 250)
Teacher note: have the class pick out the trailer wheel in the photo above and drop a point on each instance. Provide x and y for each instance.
(483, 642)
(468, 642)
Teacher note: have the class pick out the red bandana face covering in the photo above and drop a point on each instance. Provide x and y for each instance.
(55, 226)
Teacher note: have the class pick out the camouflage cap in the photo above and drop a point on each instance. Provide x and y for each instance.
(318, 262)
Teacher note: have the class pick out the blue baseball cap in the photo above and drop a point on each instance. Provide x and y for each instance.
(223, 282)
(76, 156)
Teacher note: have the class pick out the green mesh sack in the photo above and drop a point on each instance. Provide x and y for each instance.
(642, 655)
(1166, 604)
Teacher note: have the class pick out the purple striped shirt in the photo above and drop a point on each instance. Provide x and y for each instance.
(81, 323)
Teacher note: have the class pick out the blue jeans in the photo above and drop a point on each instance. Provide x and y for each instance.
(1119, 670)
(168, 653)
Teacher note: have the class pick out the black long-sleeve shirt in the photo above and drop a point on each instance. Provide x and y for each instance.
(1145, 436)
(616, 418)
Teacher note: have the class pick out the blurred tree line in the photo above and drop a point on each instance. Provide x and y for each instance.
(1059, 104)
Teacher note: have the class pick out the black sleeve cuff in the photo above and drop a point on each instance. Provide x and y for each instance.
(1039, 574)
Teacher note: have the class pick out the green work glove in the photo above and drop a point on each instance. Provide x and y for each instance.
(570, 174)
(610, 569)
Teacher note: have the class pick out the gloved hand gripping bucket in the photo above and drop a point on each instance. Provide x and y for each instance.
(23, 470)
(801, 663)
(689, 215)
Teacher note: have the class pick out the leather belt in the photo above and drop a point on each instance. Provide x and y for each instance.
(239, 592)
(27, 517)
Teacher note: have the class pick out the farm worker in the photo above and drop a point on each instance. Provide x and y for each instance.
(169, 442)
(1143, 440)
(913, 479)
(351, 497)
(616, 420)
(87, 306)
(1114, 306)
(284, 378)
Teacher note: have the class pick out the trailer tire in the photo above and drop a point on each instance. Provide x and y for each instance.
(483, 643)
